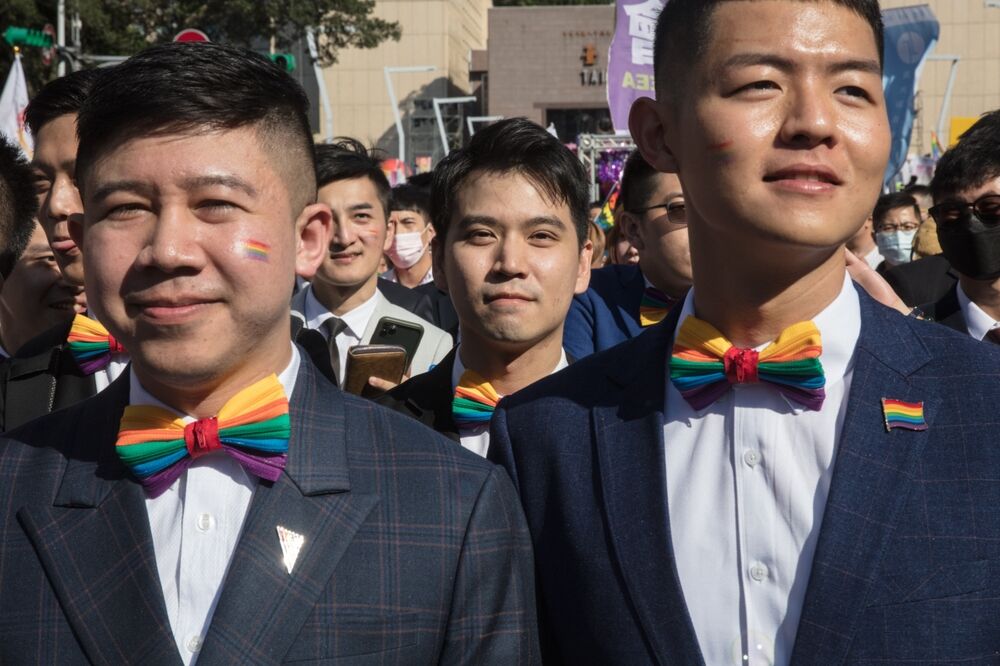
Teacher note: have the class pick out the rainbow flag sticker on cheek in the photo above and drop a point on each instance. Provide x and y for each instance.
(905, 415)
(256, 250)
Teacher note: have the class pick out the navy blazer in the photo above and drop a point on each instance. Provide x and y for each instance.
(415, 552)
(607, 313)
(907, 565)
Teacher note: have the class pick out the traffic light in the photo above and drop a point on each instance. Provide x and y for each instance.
(16, 36)
(285, 61)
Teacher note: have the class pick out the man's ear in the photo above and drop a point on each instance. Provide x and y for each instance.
(648, 122)
(630, 228)
(312, 239)
(583, 268)
(390, 234)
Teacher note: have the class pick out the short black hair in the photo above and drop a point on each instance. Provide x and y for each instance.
(682, 34)
(182, 88)
(59, 97)
(520, 146)
(412, 198)
(347, 159)
(638, 183)
(970, 163)
(18, 205)
(890, 202)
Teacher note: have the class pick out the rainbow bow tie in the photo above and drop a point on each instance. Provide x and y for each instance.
(91, 345)
(655, 305)
(704, 364)
(253, 427)
(474, 401)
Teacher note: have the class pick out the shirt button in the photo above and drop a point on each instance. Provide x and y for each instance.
(751, 458)
(194, 644)
(205, 522)
(758, 571)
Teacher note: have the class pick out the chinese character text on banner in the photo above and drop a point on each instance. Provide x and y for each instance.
(630, 60)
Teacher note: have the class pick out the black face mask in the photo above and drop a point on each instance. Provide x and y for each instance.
(972, 247)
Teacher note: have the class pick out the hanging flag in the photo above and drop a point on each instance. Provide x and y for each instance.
(630, 58)
(13, 102)
(935, 146)
(606, 218)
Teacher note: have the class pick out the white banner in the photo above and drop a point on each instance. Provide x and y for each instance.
(13, 102)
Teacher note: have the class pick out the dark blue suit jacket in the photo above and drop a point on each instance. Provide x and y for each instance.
(415, 552)
(607, 313)
(907, 566)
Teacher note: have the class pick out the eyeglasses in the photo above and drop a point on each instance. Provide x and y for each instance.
(676, 212)
(907, 226)
(986, 208)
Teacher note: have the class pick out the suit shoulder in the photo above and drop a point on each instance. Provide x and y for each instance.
(957, 354)
(610, 279)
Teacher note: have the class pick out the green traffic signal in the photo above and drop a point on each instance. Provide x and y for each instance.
(285, 61)
(17, 36)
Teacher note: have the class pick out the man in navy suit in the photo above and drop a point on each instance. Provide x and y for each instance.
(218, 523)
(783, 470)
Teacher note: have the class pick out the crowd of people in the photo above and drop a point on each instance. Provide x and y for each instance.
(261, 407)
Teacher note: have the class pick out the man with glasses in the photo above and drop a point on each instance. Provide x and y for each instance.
(966, 191)
(624, 299)
(896, 219)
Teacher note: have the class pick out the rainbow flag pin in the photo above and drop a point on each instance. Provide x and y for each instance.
(256, 250)
(905, 415)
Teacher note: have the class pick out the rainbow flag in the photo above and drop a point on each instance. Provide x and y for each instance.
(606, 219)
(256, 250)
(905, 415)
(935, 146)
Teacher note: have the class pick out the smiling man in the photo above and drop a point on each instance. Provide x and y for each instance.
(222, 502)
(782, 470)
(510, 219)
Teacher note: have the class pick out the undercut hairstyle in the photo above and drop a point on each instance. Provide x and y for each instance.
(188, 89)
(683, 32)
(890, 202)
(638, 183)
(347, 159)
(59, 97)
(411, 198)
(18, 205)
(970, 163)
(516, 146)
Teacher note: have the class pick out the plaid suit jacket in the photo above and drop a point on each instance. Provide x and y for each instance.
(416, 551)
(907, 566)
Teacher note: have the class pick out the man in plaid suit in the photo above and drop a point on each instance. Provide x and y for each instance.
(191, 533)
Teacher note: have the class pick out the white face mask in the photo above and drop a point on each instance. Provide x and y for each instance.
(895, 246)
(407, 248)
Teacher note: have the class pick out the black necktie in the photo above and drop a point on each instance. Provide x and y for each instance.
(334, 326)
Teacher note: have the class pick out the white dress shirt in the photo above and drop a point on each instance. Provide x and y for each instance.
(874, 258)
(978, 322)
(356, 320)
(477, 439)
(747, 483)
(110, 372)
(195, 526)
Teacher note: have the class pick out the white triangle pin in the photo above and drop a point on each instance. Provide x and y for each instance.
(291, 544)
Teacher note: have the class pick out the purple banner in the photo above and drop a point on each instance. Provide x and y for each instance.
(630, 59)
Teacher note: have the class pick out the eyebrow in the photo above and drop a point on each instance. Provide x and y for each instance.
(784, 64)
(485, 220)
(232, 182)
(134, 186)
(360, 206)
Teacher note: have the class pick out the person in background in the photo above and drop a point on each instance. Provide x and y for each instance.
(511, 245)
(622, 300)
(925, 243)
(862, 244)
(895, 221)
(620, 250)
(925, 279)
(597, 239)
(966, 189)
(409, 250)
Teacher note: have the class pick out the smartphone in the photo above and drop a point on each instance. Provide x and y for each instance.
(392, 331)
(363, 361)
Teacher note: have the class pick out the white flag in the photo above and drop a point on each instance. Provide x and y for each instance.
(13, 102)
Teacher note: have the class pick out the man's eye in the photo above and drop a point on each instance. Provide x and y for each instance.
(759, 86)
(855, 91)
(123, 211)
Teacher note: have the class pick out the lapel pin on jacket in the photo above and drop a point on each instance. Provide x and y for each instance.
(904, 415)
(291, 544)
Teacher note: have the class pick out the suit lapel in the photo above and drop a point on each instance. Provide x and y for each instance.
(871, 481)
(95, 546)
(628, 429)
(313, 498)
(377, 313)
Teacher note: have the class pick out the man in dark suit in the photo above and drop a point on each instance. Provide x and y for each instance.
(782, 471)
(623, 299)
(510, 218)
(966, 190)
(226, 526)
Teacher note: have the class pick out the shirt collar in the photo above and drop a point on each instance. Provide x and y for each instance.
(978, 322)
(874, 258)
(458, 367)
(357, 319)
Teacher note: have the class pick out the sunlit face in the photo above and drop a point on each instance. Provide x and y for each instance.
(360, 233)
(899, 219)
(34, 296)
(191, 248)
(512, 261)
(54, 162)
(660, 234)
(781, 137)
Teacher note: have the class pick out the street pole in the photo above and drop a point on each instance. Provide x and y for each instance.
(438, 101)
(388, 72)
(61, 33)
(321, 83)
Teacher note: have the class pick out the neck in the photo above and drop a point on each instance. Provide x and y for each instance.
(411, 277)
(984, 293)
(752, 302)
(510, 370)
(339, 299)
